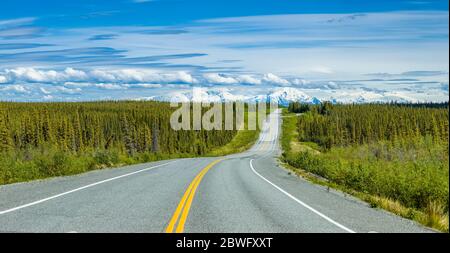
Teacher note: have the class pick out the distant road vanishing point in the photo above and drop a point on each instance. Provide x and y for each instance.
(246, 192)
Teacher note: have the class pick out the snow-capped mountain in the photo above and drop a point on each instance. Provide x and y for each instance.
(361, 97)
(282, 96)
(220, 95)
(200, 95)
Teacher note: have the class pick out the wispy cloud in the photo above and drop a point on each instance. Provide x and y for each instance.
(103, 37)
(348, 18)
(14, 88)
(92, 56)
(444, 86)
(21, 33)
(293, 43)
(159, 31)
(142, 1)
(11, 46)
(415, 73)
(424, 73)
(20, 28)
(97, 14)
(7, 23)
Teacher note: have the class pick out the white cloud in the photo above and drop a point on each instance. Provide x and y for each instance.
(78, 84)
(145, 85)
(105, 86)
(299, 82)
(75, 74)
(109, 86)
(248, 79)
(44, 76)
(322, 70)
(180, 76)
(29, 75)
(291, 42)
(142, 1)
(122, 82)
(178, 86)
(140, 76)
(66, 90)
(215, 78)
(17, 21)
(102, 76)
(332, 85)
(71, 75)
(15, 88)
(45, 91)
(444, 86)
(274, 79)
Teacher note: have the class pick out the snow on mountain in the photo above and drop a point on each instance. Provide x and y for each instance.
(369, 97)
(220, 95)
(282, 95)
(172, 97)
(200, 95)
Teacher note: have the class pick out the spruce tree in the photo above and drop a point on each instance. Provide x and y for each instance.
(5, 137)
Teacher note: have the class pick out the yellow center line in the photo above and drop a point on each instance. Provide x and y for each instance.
(174, 219)
(186, 201)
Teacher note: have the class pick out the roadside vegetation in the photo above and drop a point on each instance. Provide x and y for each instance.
(40, 140)
(394, 156)
(243, 140)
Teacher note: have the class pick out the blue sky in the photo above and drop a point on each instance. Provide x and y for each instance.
(127, 49)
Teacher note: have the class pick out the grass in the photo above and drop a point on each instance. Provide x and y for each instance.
(412, 183)
(243, 140)
(435, 217)
(51, 162)
(288, 130)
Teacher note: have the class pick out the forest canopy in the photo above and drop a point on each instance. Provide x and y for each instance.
(49, 139)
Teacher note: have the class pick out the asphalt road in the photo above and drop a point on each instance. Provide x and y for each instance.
(246, 192)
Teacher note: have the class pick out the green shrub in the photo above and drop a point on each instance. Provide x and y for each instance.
(53, 165)
(413, 183)
(106, 157)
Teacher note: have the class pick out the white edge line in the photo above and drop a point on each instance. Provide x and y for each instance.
(301, 202)
(80, 188)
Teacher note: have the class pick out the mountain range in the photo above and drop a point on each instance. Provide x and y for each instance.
(282, 96)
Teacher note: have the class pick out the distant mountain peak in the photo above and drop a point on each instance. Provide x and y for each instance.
(285, 95)
(282, 96)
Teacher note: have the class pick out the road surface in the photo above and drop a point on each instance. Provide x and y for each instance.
(246, 192)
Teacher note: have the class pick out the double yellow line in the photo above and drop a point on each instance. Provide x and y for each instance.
(186, 202)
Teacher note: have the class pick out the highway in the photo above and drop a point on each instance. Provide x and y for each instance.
(246, 192)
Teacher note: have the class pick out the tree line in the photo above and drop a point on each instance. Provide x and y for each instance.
(130, 127)
(341, 125)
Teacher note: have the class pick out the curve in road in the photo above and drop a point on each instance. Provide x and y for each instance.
(245, 192)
